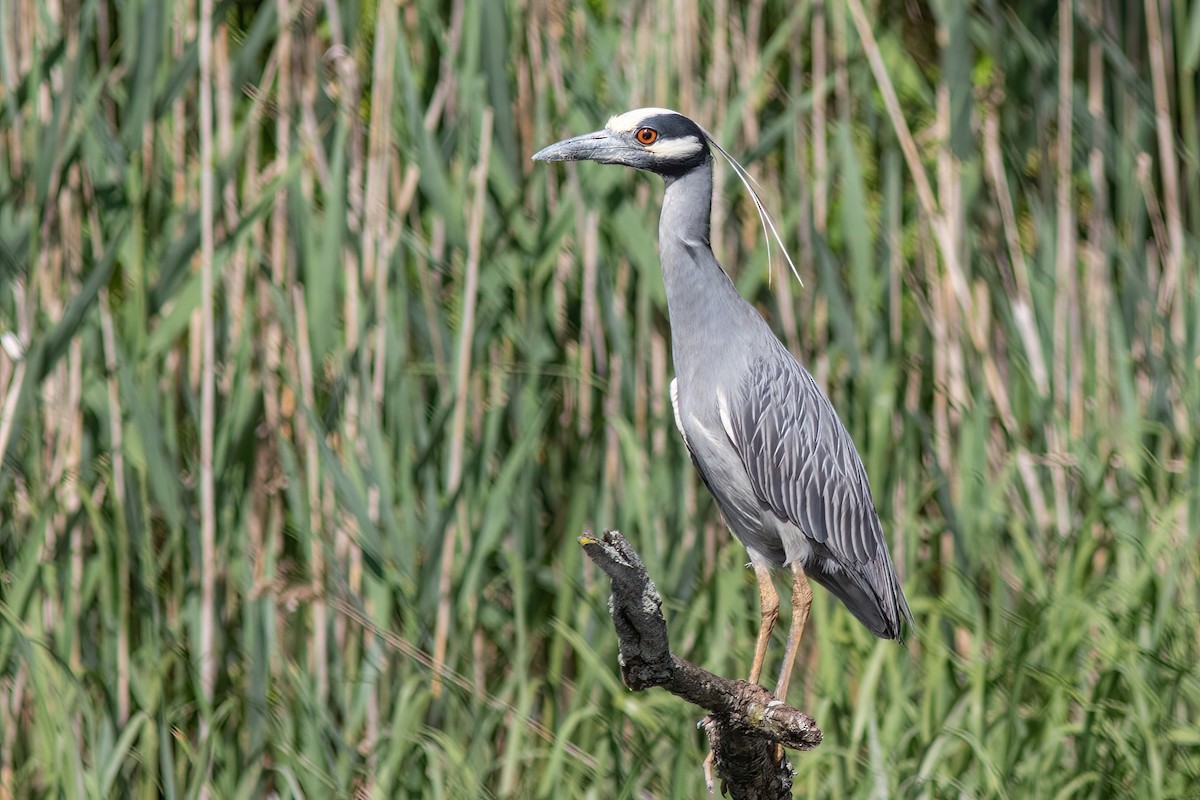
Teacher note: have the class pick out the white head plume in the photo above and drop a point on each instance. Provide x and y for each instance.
(764, 216)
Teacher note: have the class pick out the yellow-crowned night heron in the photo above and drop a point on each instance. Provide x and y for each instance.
(763, 436)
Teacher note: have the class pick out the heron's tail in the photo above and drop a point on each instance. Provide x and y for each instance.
(872, 593)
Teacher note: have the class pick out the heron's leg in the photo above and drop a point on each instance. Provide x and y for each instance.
(801, 602)
(768, 607)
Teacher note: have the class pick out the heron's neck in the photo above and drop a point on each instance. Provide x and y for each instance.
(701, 299)
(687, 206)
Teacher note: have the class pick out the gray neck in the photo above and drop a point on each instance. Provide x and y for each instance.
(688, 265)
(687, 205)
(704, 306)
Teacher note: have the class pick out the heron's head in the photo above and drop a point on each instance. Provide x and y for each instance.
(654, 139)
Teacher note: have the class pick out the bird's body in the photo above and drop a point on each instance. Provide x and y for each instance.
(763, 436)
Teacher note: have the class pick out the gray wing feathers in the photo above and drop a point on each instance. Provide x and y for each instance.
(802, 463)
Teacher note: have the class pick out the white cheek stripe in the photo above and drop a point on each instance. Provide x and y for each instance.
(676, 148)
(630, 119)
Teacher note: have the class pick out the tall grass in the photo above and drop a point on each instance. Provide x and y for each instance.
(293, 468)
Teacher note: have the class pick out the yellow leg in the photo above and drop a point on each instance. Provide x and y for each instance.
(768, 607)
(801, 602)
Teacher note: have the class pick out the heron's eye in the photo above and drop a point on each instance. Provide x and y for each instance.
(646, 135)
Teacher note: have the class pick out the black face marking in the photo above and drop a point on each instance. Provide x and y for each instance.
(673, 126)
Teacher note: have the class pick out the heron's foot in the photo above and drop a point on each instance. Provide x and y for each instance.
(778, 747)
(709, 763)
(710, 760)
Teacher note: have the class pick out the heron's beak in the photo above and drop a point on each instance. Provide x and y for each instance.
(597, 146)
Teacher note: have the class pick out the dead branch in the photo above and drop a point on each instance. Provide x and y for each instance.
(746, 722)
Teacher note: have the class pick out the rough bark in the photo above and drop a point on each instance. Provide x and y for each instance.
(746, 722)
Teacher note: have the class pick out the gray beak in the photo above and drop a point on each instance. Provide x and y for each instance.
(596, 146)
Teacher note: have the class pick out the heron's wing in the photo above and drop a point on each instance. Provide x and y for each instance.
(675, 408)
(802, 462)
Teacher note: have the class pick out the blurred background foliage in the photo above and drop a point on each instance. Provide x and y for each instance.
(310, 379)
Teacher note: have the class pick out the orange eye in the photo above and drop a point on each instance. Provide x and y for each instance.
(646, 135)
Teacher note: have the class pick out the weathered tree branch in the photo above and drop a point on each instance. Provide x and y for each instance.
(746, 722)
